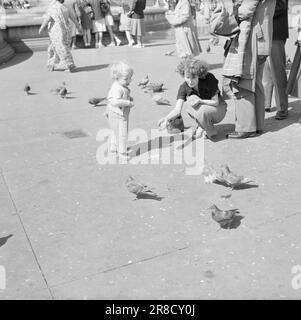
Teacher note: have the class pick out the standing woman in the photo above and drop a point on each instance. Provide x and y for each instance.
(57, 19)
(187, 42)
(137, 27)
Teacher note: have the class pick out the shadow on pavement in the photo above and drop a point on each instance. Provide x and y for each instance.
(18, 58)
(149, 196)
(294, 114)
(91, 68)
(4, 240)
(242, 186)
(157, 143)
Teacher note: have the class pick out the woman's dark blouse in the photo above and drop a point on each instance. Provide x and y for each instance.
(208, 88)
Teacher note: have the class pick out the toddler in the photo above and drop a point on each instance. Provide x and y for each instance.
(118, 107)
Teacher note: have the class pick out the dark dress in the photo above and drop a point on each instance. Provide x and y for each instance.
(205, 116)
(137, 17)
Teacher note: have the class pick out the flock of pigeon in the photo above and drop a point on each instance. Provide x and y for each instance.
(226, 177)
(61, 90)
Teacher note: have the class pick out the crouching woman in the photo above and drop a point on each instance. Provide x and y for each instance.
(200, 90)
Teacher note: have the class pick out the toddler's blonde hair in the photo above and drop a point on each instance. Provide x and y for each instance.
(119, 69)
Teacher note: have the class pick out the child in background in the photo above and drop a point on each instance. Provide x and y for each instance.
(125, 22)
(118, 108)
(86, 21)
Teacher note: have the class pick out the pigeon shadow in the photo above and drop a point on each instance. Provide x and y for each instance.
(91, 68)
(69, 98)
(149, 196)
(154, 144)
(99, 105)
(4, 240)
(235, 223)
(31, 93)
(242, 186)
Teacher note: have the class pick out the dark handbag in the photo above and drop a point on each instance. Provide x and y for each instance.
(175, 125)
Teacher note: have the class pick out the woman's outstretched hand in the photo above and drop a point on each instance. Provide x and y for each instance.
(162, 123)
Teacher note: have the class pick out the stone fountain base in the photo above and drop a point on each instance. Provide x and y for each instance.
(6, 51)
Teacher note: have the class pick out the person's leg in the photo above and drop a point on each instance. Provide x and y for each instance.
(129, 38)
(96, 39)
(114, 125)
(123, 135)
(85, 38)
(139, 40)
(268, 85)
(278, 69)
(208, 116)
(259, 94)
(245, 116)
(109, 28)
(100, 45)
(88, 34)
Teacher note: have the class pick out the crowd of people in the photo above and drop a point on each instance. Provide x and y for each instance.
(254, 62)
(15, 4)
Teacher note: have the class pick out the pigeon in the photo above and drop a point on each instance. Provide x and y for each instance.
(138, 188)
(159, 99)
(170, 53)
(230, 178)
(155, 86)
(223, 217)
(143, 82)
(210, 175)
(95, 101)
(27, 88)
(58, 89)
(63, 92)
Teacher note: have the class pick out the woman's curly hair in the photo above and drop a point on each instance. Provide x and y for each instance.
(192, 68)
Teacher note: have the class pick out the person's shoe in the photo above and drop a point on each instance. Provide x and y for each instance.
(112, 44)
(268, 109)
(280, 115)
(71, 69)
(131, 43)
(139, 46)
(241, 135)
(198, 133)
(259, 132)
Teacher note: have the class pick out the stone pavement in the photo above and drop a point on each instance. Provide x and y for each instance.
(77, 234)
